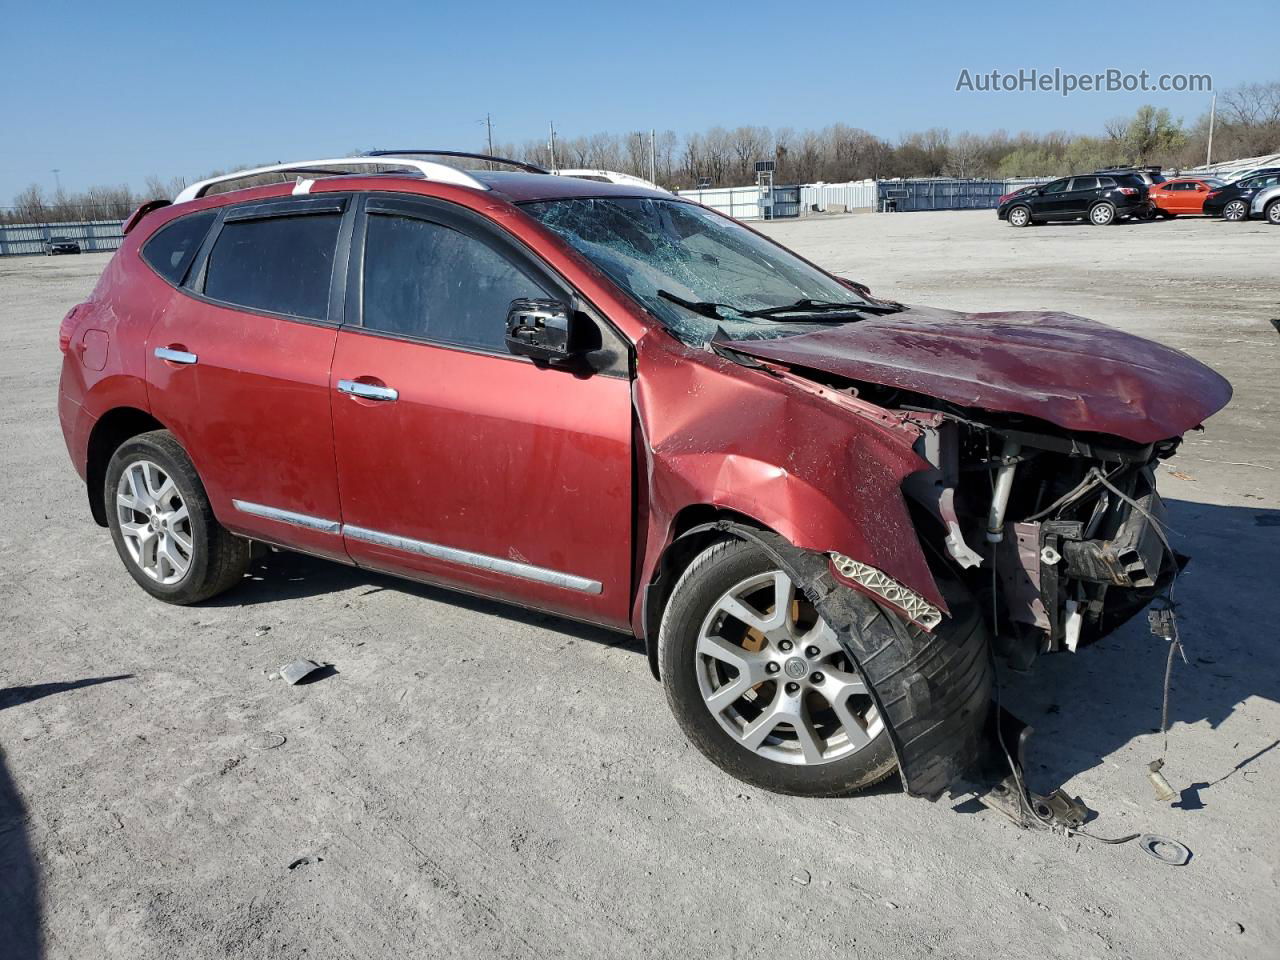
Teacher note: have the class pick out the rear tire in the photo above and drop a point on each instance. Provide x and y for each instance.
(1236, 211)
(163, 526)
(1102, 214)
(792, 668)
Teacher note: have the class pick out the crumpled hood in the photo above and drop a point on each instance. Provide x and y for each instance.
(1076, 373)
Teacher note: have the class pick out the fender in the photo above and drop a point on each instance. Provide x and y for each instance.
(823, 475)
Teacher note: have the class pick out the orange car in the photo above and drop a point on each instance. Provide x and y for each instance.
(1174, 197)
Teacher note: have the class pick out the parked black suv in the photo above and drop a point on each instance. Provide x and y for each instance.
(1102, 199)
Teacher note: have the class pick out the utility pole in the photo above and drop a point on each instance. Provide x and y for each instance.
(488, 126)
(57, 180)
(1213, 111)
(551, 145)
(653, 156)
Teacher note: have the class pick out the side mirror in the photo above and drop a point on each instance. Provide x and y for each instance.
(541, 329)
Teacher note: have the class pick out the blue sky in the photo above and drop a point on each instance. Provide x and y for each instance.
(112, 92)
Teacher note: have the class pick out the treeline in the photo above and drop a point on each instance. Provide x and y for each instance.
(1247, 125)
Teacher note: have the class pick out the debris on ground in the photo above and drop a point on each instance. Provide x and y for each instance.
(1165, 850)
(262, 631)
(802, 878)
(304, 670)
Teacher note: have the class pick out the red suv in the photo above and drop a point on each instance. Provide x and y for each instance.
(816, 508)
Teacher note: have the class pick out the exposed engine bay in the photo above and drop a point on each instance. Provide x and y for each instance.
(1071, 525)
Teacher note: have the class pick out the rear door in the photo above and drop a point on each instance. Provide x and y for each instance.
(458, 462)
(238, 368)
(1081, 195)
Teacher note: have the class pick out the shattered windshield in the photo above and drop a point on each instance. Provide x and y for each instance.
(662, 251)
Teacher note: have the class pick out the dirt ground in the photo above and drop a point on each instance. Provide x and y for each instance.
(476, 781)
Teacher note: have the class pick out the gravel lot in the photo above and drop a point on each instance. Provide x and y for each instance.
(477, 781)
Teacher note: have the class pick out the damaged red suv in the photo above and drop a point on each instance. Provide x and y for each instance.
(824, 514)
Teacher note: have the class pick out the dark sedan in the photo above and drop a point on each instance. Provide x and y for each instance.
(55, 245)
(1101, 199)
(1232, 201)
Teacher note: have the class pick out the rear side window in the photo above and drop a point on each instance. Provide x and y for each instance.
(276, 265)
(1084, 183)
(425, 280)
(1106, 182)
(175, 245)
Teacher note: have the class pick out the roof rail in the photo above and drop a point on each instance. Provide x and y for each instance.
(425, 168)
(528, 167)
(611, 176)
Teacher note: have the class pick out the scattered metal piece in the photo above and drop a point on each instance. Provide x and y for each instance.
(262, 631)
(1164, 791)
(802, 878)
(298, 670)
(300, 862)
(268, 741)
(1165, 850)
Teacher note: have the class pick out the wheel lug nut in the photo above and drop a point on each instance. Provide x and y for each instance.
(817, 677)
(793, 687)
(785, 645)
(771, 668)
(811, 651)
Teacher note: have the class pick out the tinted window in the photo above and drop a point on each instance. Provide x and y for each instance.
(278, 265)
(1106, 182)
(1084, 183)
(426, 280)
(175, 245)
(1057, 186)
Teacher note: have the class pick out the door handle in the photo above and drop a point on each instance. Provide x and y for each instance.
(367, 390)
(175, 356)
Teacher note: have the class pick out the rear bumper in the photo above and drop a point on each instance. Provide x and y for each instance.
(76, 427)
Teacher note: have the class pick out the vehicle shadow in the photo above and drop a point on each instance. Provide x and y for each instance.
(1086, 706)
(16, 696)
(291, 576)
(19, 878)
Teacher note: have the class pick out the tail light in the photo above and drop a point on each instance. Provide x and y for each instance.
(1212, 194)
(1128, 191)
(67, 328)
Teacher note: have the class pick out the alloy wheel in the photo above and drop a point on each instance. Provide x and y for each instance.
(154, 522)
(1019, 217)
(776, 679)
(1102, 214)
(1235, 211)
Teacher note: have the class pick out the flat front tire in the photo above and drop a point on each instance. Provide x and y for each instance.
(759, 683)
(163, 526)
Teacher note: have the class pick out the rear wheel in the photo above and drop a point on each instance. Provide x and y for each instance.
(1235, 211)
(1019, 217)
(1101, 214)
(760, 684)
(163, 526)
(1272, 213)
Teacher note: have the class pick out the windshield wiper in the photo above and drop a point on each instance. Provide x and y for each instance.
(807, 306)
(707, 308)
(804, 313)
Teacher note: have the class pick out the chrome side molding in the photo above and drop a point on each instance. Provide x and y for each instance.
(288, 516)
(479, 561)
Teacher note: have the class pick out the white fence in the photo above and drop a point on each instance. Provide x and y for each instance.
(92, 235)
(854, 195)
(741, 203)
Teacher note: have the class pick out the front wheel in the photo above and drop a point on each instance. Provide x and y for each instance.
(1235, 211)
(1019, 217)
(163, 526)
(1102, 214)
(760, 684)
(1272, 213)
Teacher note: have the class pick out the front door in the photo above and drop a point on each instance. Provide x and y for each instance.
(1052, 202)
(238, 369)
(458, 462)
